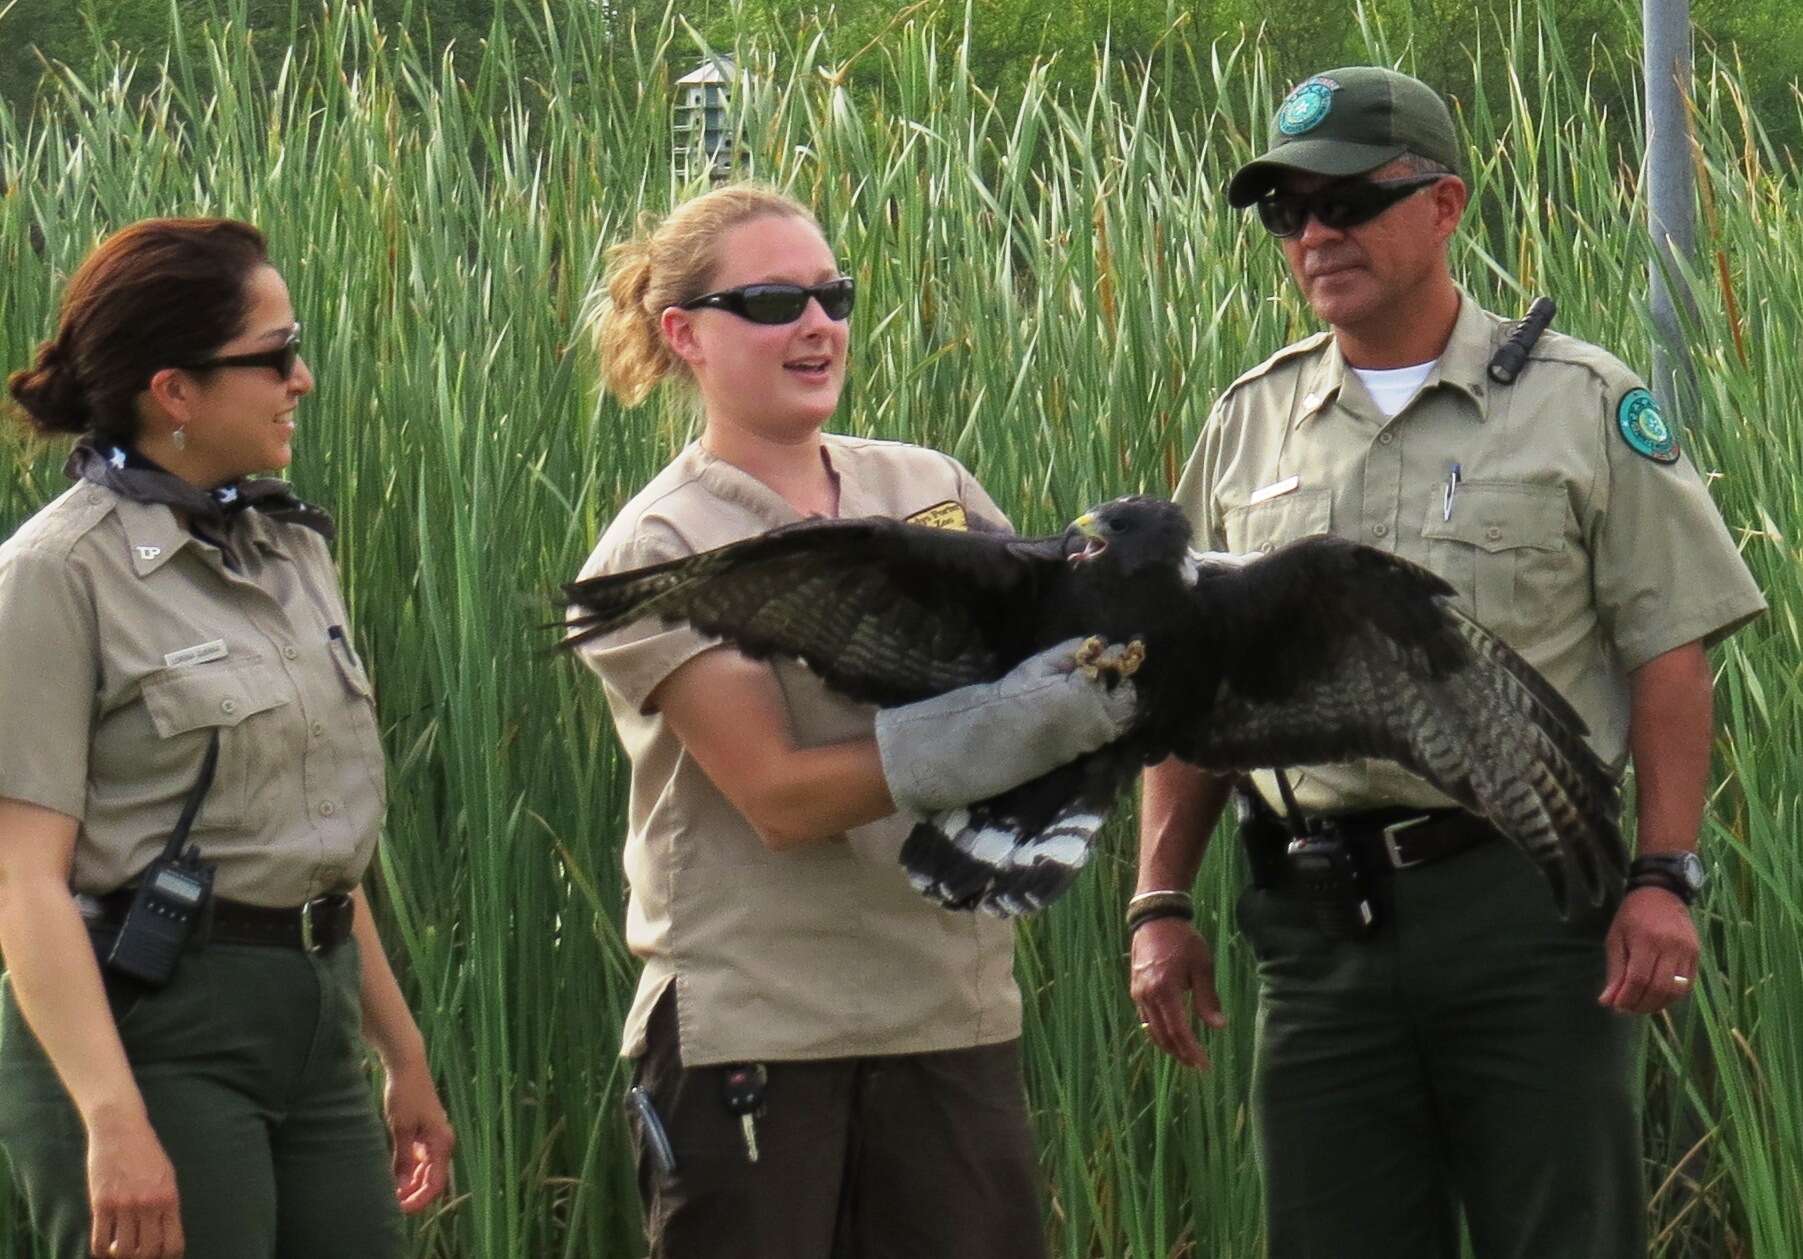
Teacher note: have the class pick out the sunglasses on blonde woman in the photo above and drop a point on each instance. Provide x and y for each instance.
(780, 303)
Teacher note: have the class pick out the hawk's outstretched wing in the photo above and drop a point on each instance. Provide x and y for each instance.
(1330, 652)
(884, 612)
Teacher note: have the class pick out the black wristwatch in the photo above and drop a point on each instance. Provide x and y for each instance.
(1680, 873)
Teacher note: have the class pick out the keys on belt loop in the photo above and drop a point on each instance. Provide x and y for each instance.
(743, 1092)
(1397, 860)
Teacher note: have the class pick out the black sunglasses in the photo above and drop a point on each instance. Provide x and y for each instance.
(281, 358)
(780, 303)
(1338, 205)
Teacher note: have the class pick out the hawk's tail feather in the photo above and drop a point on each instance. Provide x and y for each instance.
(972, 858)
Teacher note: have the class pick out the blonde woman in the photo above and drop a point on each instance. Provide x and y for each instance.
(789, 969)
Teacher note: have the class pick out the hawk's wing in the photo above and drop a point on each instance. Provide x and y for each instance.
(1333, 652)
(884, 612)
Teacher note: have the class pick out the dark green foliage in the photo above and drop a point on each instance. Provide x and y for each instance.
(1762, 39)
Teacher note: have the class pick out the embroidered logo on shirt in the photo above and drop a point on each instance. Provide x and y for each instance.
(946, 515)
(1644, 429)
(201, 653)
(149, 552)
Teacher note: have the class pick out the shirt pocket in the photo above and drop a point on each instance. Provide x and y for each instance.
(1504, 549)
(1268, 525)
(188, 705)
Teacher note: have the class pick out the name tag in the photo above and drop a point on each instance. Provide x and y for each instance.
(1274, 490)
(946, 515)
(200, 654)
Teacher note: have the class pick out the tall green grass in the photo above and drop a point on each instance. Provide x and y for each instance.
(1055, 293)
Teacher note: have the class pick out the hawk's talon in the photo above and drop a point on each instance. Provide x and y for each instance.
(1089, 654)
(1133, 655)
(1094, 657)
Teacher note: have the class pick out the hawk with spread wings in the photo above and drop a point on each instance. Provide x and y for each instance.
(1321, 651)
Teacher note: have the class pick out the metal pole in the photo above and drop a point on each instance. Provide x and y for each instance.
(1671, 200)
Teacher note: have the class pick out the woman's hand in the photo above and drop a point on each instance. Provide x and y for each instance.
(131, 1192)
(417, 1123)
(422, 1136)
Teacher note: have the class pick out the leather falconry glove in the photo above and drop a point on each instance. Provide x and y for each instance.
(980, 740)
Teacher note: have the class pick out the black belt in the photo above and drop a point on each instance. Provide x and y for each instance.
(321, 924)
(1397, 839)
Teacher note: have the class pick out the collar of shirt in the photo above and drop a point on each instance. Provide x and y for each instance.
(137, 480)
(155, 535)
(1462, 365)
(735, 485)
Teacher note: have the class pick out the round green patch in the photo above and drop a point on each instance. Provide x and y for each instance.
(1304, 108)
(1644, 429)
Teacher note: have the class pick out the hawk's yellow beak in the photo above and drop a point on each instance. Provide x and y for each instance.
(1086, 525)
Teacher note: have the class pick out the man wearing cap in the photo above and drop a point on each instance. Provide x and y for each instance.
(1471, 1051)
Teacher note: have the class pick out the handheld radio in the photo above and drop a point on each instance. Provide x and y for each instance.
(173, 894)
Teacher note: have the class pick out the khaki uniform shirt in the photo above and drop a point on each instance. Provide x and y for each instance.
(125, 640)
(1586, 556)
(823, 951)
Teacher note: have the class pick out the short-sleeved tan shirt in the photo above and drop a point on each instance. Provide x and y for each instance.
(1586, 556)
(821, 952)
(125, 640)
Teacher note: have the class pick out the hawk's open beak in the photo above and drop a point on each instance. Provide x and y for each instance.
(1090, 528)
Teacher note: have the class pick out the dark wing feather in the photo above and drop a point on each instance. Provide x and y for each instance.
(1334, 652)
(884, 612)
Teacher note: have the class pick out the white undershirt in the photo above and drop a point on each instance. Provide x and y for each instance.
(1392, 387)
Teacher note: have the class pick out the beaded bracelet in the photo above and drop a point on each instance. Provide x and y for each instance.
(1166, 903)
(1153, 915)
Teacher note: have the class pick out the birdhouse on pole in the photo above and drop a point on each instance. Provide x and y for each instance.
(702, 129)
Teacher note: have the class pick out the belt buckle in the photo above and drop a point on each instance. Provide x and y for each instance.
(1397, 861)
(308, 942)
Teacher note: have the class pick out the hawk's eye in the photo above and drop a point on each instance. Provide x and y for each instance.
(1120, 526)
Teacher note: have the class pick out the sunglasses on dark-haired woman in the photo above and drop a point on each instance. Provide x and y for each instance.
(281, 358)
(1337, 206)
(780, 303)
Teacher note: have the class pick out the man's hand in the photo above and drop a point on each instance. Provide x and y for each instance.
(1652, 951)
(422, 1136)
(1173, 976)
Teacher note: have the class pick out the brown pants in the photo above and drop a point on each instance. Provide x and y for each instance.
(913, 1156)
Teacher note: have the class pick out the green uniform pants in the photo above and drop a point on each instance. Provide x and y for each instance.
(250, 1065)
(1457, 1057)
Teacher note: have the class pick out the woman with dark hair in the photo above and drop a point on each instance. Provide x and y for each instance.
(190, 772)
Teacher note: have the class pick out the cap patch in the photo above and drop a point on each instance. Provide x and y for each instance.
(1644, 429)
(1306, 105)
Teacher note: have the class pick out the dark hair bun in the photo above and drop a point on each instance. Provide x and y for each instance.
(49, 394)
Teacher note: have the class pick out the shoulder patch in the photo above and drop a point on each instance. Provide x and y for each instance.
(1644, 429)
(943, 515)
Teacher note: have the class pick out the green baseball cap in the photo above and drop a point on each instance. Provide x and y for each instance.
(1346, 122)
